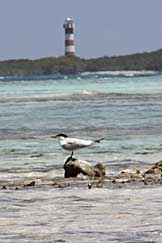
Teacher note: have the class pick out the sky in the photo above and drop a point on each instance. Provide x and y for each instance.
(34, 28)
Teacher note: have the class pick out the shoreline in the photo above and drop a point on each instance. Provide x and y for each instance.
(123, 72)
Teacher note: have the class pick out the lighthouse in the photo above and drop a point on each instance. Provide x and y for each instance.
(69, 37)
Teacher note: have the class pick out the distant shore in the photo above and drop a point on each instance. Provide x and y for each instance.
(96, 74)
(149, 61)
(123, 72)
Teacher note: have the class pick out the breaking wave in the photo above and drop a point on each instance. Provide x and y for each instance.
(86, 75)
(83, 95)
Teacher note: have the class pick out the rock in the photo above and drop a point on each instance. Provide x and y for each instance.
(156, 169)
(32, 183)
(154, 174)
(99, 184)
(99, 170)
(4, 187)
(74, 167)
(131, 175)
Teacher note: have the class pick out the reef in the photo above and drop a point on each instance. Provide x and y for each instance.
(80, 173)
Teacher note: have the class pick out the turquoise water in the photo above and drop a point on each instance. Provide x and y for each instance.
(126, 111)
(68, 86)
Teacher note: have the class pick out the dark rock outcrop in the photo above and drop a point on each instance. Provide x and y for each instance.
(74, 167)
(32, 183)
(155, 169)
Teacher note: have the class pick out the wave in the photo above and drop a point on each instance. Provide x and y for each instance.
(18, 134)
(83, 95)
(112, 131)
(86, 75)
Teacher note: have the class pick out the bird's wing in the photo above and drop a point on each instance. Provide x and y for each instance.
(74, 143)
(82, 142)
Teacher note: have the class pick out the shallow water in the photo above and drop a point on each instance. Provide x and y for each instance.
(126, 111)
(81, 215)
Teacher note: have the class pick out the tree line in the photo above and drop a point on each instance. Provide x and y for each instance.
(74, 65)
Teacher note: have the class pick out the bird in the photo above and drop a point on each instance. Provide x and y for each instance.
(72, 144)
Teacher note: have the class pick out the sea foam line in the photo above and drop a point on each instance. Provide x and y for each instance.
(80, 96)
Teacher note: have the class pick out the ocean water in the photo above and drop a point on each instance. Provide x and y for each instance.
(125, 110)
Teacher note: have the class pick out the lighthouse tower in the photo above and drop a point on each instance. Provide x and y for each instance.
(69, 37)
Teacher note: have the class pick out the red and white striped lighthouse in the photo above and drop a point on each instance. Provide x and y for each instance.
(69, 37)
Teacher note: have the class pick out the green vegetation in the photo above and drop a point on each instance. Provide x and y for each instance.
(73, 65)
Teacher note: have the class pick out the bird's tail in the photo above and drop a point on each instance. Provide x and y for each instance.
(98, 140)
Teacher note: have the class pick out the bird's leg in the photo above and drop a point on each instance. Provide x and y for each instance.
(71, 156)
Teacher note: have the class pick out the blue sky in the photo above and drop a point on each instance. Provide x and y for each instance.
(34, 28)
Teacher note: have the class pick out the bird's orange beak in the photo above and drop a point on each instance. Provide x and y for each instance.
(53, 136)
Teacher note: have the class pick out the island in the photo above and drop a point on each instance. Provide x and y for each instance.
(148, 61)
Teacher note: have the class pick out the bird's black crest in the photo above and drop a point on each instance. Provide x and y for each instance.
(62, 135)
